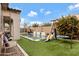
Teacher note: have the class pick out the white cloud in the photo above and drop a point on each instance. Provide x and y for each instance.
(74, 6)
(42, 10)
(21, 26)
(45, 12)
(48, 12)
(22, 22)
(32, 13)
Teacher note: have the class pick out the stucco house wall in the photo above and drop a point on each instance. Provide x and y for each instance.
(12, 14)
(0, 17)
(16, 22)
(16, 26)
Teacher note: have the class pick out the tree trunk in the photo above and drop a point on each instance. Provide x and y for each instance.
(55, 34)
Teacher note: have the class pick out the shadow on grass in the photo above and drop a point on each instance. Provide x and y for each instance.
(67, 41)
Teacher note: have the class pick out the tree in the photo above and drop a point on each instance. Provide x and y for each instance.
(46, 24)
(67, 25)
(35, 25)
(25, 25)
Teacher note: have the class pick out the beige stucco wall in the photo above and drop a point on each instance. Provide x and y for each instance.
(77, 16)
(0, 29)
(16, 19)
(1, 21)
(16, 23)
(0, 17)
(5, 13)
(46, 29)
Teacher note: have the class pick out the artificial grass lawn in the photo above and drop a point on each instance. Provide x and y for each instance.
(51, 48)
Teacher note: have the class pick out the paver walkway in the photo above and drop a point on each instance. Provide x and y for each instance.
(14, 50)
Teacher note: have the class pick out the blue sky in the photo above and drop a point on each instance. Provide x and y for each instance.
(44, 12)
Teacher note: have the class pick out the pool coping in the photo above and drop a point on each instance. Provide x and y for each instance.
(25, 54)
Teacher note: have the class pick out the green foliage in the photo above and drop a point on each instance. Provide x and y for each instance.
(46, 24)
(35, 25)
(68, 25)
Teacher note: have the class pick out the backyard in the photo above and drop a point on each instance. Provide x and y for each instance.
(51, 48)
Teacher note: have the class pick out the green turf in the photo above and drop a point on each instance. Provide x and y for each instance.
(51, 48)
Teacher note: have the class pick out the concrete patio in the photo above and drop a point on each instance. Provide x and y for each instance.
(13, 50)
